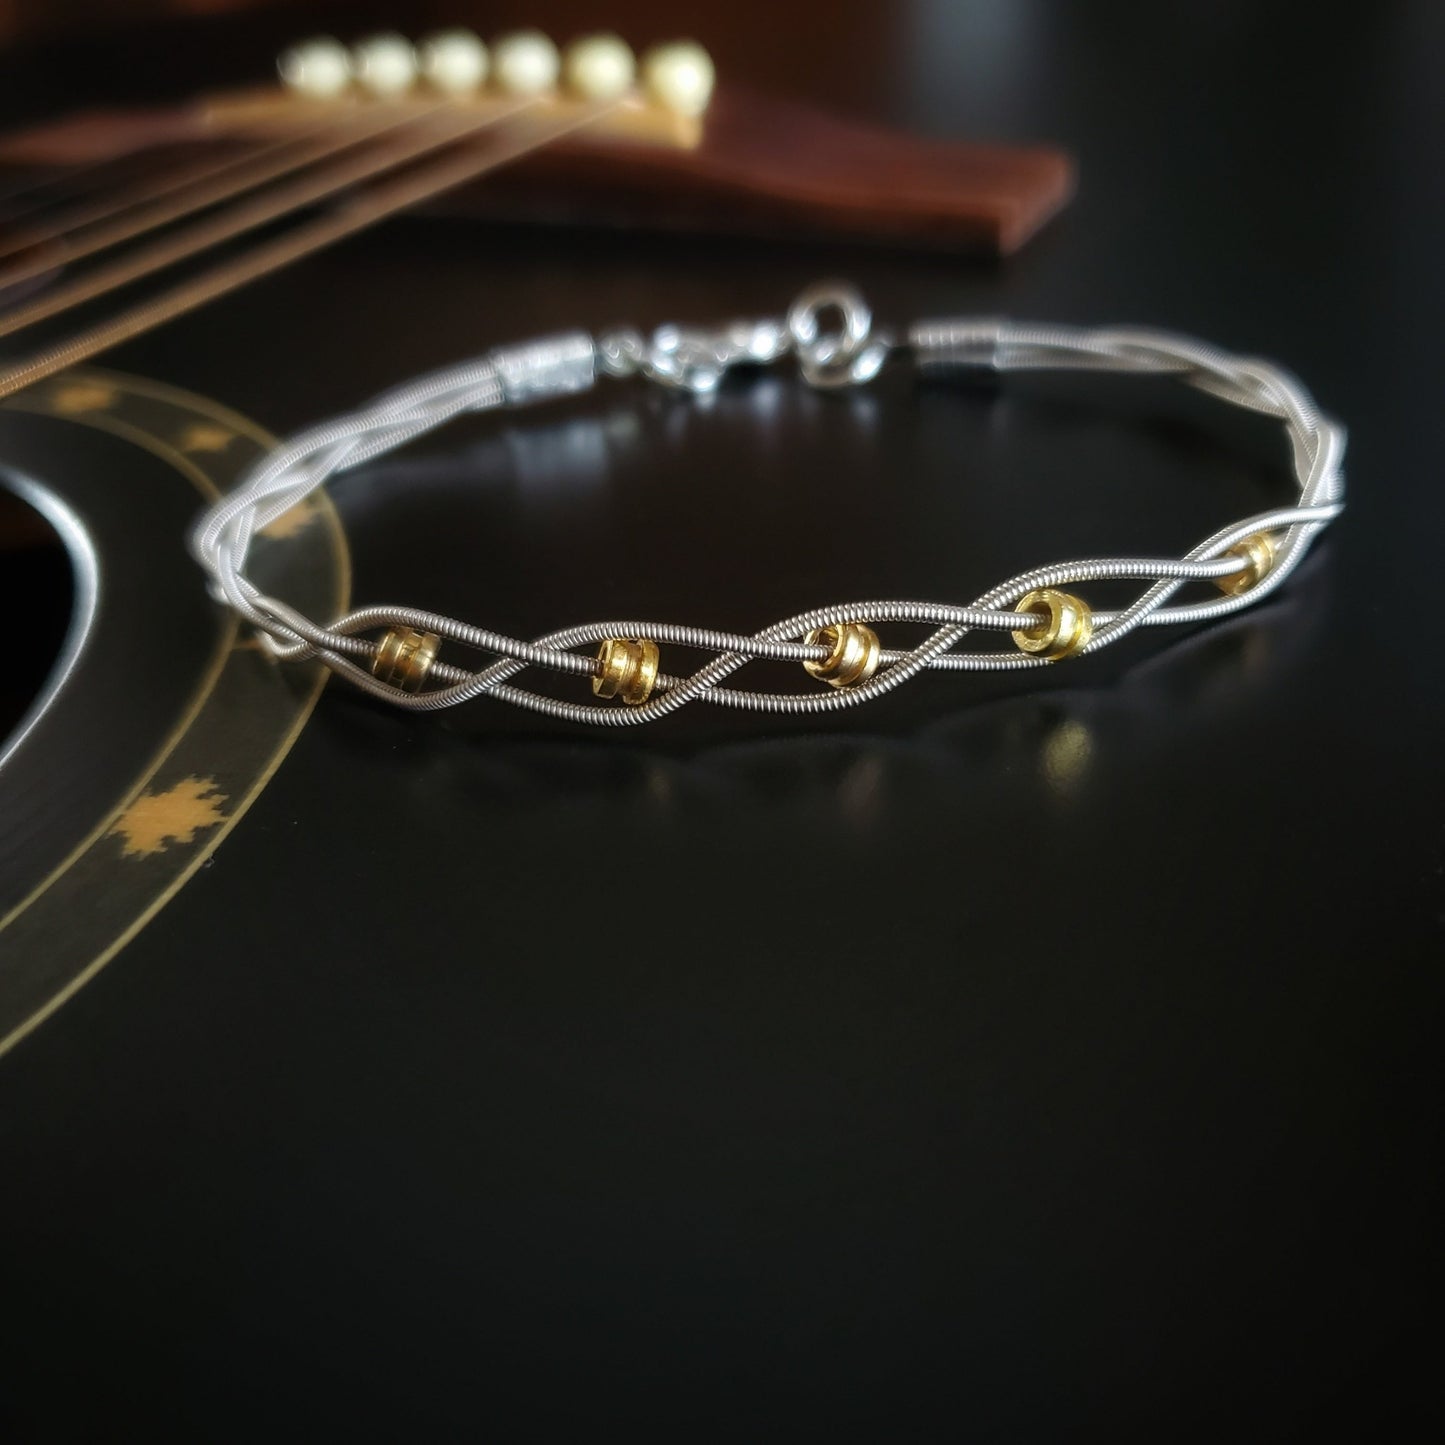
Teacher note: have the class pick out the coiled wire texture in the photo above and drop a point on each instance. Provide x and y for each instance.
(223, 536)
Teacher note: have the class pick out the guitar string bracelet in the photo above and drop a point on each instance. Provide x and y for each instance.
(393, 652)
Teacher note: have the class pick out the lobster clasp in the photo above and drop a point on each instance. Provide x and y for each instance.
(696, 360)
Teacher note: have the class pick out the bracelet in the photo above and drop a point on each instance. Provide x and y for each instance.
(393, 652)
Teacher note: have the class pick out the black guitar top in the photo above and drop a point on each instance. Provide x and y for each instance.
(1018, 1058)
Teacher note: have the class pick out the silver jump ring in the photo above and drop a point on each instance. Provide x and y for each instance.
(846, 356)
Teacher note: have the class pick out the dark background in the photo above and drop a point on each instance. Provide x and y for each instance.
(1018, 1058)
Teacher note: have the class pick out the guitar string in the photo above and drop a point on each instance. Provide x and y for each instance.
(104, 203)
(430, 179)
(571, 364)
(127, 227)
(247, 215)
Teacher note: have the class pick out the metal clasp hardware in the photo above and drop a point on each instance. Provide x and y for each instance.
(848, 356)
(695, 359)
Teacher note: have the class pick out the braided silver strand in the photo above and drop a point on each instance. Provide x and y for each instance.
(391, 652)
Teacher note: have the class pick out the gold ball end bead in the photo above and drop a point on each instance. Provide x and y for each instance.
(626, 668)
(1065, 624)
(1259, 552)
(853, 654)
(404, 658)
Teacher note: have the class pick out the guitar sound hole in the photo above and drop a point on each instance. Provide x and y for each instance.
(40, 588)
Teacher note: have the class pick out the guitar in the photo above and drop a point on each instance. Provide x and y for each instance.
(603, 138)
(106, 209)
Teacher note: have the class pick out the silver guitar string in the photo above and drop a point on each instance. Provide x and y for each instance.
(695, 361)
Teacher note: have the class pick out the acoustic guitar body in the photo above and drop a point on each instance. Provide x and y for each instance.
(161, 719)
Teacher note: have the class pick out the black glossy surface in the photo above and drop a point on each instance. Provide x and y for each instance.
(1007, 1062)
